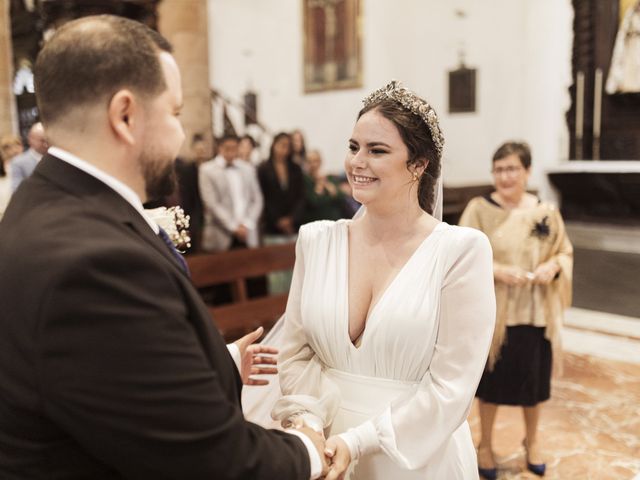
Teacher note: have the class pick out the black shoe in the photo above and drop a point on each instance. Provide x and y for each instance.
(488, 473)
(536, 468)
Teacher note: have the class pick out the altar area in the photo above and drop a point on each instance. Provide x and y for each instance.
(599, 191)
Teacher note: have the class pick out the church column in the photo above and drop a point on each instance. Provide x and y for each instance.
(184, 24)
(7, 106)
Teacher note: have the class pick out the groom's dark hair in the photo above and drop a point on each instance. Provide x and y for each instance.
(88, 60)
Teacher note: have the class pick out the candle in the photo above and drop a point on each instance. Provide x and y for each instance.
(579, 104)
(597, 103)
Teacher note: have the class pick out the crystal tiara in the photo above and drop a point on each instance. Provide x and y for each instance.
(397, 92)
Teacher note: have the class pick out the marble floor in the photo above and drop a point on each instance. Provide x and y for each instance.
(591, 425)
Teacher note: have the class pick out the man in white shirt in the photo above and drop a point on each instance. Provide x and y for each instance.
(232, 200)
(23, 165)
(110, 364)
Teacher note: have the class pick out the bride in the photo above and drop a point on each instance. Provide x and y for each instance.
(390, 316)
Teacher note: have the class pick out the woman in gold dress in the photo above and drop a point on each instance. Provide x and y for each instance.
(532, 260)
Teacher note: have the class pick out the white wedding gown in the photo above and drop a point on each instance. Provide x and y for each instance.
(407, 388)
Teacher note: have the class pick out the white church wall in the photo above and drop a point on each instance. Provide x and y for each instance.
(522, 51)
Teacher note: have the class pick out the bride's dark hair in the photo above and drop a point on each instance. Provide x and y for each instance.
(422, 150)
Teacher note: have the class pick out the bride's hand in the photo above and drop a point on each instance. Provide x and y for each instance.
(337, 451)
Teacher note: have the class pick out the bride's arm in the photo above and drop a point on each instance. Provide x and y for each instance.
(415, 427)
(307, 394)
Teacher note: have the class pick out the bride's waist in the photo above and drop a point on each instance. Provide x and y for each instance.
(365, 394)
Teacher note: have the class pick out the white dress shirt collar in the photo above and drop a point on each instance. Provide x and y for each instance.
(120, 188)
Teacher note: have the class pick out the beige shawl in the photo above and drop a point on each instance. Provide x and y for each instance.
(526, 238)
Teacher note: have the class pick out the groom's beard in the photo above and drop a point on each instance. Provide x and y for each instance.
(160, 178)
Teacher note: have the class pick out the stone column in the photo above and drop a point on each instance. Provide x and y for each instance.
(7, 102)
(185, 24)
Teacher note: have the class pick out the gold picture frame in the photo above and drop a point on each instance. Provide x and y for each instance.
(332, 44)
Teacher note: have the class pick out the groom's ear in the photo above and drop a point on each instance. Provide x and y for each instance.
(123, 112)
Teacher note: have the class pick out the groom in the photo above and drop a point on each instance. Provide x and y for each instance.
(110, 365)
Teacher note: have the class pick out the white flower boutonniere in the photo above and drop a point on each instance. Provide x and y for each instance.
(174, 221)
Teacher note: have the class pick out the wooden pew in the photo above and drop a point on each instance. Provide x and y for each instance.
(234, 267)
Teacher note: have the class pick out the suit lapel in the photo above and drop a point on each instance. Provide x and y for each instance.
(103, 199)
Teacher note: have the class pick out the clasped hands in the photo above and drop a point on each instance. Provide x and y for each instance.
(516, 276)
(256, 359)
(334, 452)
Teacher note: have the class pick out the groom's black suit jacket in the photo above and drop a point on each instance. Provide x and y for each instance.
(110, 366)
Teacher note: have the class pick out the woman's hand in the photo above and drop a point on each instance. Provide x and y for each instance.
(511, 275)
(338, 456)
(546, 272)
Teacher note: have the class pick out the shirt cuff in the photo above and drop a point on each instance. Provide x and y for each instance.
(361, 440)
(314, 456)
(234, 351)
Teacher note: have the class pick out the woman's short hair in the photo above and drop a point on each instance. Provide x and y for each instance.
(520, 149)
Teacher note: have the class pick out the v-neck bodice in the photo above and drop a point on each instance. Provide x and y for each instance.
(406, 310)
(398, 275)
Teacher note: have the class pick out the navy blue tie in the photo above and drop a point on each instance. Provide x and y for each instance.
(174, 251)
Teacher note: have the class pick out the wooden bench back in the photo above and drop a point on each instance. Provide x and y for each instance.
(234, 267)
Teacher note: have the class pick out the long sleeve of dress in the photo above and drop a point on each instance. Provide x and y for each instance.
(305, 390)
(416, 426)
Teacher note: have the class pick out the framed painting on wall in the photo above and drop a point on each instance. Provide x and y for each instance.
(462, 90)
(332, 44)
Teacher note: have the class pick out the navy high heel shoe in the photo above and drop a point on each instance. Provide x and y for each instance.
(488, 473)
(536, 468)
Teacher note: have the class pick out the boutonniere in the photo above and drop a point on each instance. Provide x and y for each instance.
(541, 229)
(174, 221)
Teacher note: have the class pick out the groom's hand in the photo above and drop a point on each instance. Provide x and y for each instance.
(255, 359)
(319, 443)
(339, 457)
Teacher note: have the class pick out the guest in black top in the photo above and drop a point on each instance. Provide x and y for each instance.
(282, 184)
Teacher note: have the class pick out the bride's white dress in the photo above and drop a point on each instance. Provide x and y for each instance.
(406, 390)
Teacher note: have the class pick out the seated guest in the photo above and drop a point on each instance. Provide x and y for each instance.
(232, 200)
(282, 184)
(323, 198)
(10, 146)
(24, 164)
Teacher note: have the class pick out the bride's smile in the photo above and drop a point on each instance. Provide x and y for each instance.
(362, 180)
